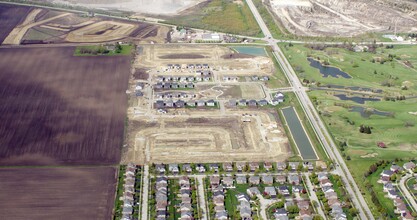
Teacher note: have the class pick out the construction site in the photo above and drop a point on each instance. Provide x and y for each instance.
(47, 26)
(202, 116)
(344, 18)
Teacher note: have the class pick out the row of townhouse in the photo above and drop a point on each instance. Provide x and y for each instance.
(218, 196)
(182, 104)
(391, 190)
(260, 78)
(174, 85)
(188, 66)
(332, 200)
(129, 191)
(161, 197)
(165, 95)
(239, 167)
(186, 208)
(177, 79)
(244, 206)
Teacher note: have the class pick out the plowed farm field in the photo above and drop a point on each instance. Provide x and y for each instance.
(10, 16)
(60, 109)
(57, 193)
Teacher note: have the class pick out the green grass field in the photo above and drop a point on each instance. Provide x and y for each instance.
(126, 50)
(221, 15)
(397, 130)
(360, 67)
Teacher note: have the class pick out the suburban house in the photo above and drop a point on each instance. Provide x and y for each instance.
(281, 179)
(241, 179)
(293, 179)
(227, 181)
(240, 166)
(187, 168)
(293, 166)
(270, 190)
(281, 166)
(254, 180)
(284, 190)
(253, 191)
(409, 166)
(228, 167)
(267, 179)
(160, 168)
(253, 166)
(173, 168)
(268, 166)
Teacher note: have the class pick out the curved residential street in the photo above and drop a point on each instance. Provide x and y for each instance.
(406, 192)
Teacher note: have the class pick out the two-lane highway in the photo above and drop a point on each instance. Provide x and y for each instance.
(319, 127)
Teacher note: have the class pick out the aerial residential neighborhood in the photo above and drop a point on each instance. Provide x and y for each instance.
(208, 109)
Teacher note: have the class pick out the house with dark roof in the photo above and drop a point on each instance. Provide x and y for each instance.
(252, 103)
(211, 103)
(179, 104)
(262, 102)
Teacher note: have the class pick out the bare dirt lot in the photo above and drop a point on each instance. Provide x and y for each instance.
(345, 17)
(57, 193)
(10, 16)
(208, 137)
(34, 25)
(57, 108)
(236, 91)
(217, 57)
(156, 7)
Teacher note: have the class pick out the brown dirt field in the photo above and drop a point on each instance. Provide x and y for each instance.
(10, 16)
(141, 74)
(182, 56)
(206, 138)
(237, 56)
(101, 32)
(61, 109)
(57, 193)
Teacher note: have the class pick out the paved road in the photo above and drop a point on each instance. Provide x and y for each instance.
(406, 192)
(264, 203)
(145, 192)
(202, 197)
(324, 136)
(313, 196)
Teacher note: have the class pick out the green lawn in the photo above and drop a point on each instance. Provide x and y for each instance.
(360, 66)
(118, 204)
(223, 16)
(173, 190)
(126, 50)
(278, 79)
(397, 131)
(231, 203)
